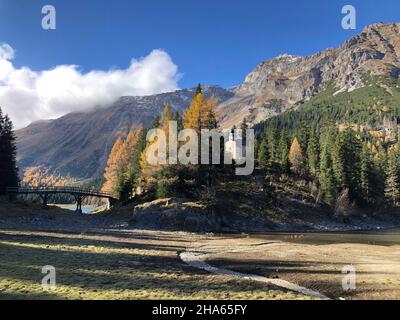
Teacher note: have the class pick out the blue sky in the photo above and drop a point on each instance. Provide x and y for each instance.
(215, 42)
(102, 50)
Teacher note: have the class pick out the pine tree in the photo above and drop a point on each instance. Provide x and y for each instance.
(338, 162)
(346, 163)
(392, 185)
(244, 126)
(327, 180)
(313, 154)
(166, 117)
(296, 157)
(283, 151)
(272, 137)
(368, 178)
(263, 153)
(134, 167)
(380, 164)
(8, 151)
(171, 182)
(177, 117)
(123, 188)
(199, 89)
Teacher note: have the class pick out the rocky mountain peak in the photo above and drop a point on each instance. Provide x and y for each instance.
(281, 83)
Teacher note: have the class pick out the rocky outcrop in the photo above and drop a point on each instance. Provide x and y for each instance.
(175, 215)
(291, 80)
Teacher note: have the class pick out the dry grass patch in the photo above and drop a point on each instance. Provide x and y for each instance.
(113, 265)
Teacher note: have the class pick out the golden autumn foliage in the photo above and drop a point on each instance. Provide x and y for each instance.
(166, 117)
(201, 113)
(296, 157)
(119, 159)
(148, 170)
(41, 176)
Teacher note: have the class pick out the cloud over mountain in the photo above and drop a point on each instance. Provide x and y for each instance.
(28, 95)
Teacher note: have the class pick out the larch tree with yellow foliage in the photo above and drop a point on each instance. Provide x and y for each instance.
(296, 157)
(117, 168)
(111, 172)
(150, 170)
(201, 113)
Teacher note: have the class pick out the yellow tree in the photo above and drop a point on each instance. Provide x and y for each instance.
(201, 113)
(166, 117)
(149, 170)
(111, 172)
(41, 176)
(128, 149)
(296, 157)
(119, 160)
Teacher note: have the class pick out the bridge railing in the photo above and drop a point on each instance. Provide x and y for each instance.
(64, 189)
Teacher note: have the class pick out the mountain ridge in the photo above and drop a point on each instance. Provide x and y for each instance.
(289, 80)
(78, 144)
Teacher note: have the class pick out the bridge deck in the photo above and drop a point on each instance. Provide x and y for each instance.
(62, 190)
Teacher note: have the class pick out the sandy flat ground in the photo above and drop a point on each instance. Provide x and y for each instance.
(138, 264)
(318, 267)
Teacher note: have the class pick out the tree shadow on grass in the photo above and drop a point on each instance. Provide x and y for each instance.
(325, 277)
(79, 241)
(101, 271)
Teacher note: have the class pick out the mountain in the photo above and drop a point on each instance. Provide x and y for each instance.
(78, 144)
(285, 82)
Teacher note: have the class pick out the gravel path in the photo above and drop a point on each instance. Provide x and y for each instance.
(195, 257)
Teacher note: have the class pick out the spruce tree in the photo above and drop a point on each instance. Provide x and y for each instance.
(338, 162)
(134, 167)
(368, 177)
(327, 180)
(244, 126)
(346, 164)
(178, 118)
(199, 89)
(392, 185)
(272, 138)
(123, 189)
(313, 154)
(8, 153)
(263, 153)
(283, 152)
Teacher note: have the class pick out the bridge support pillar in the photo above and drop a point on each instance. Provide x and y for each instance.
(79, 199)
(110, 203)
(45, 198)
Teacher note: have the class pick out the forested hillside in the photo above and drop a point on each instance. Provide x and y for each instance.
(347, 143)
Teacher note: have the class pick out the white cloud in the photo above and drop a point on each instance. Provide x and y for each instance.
(6, 52)
(27, 95)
